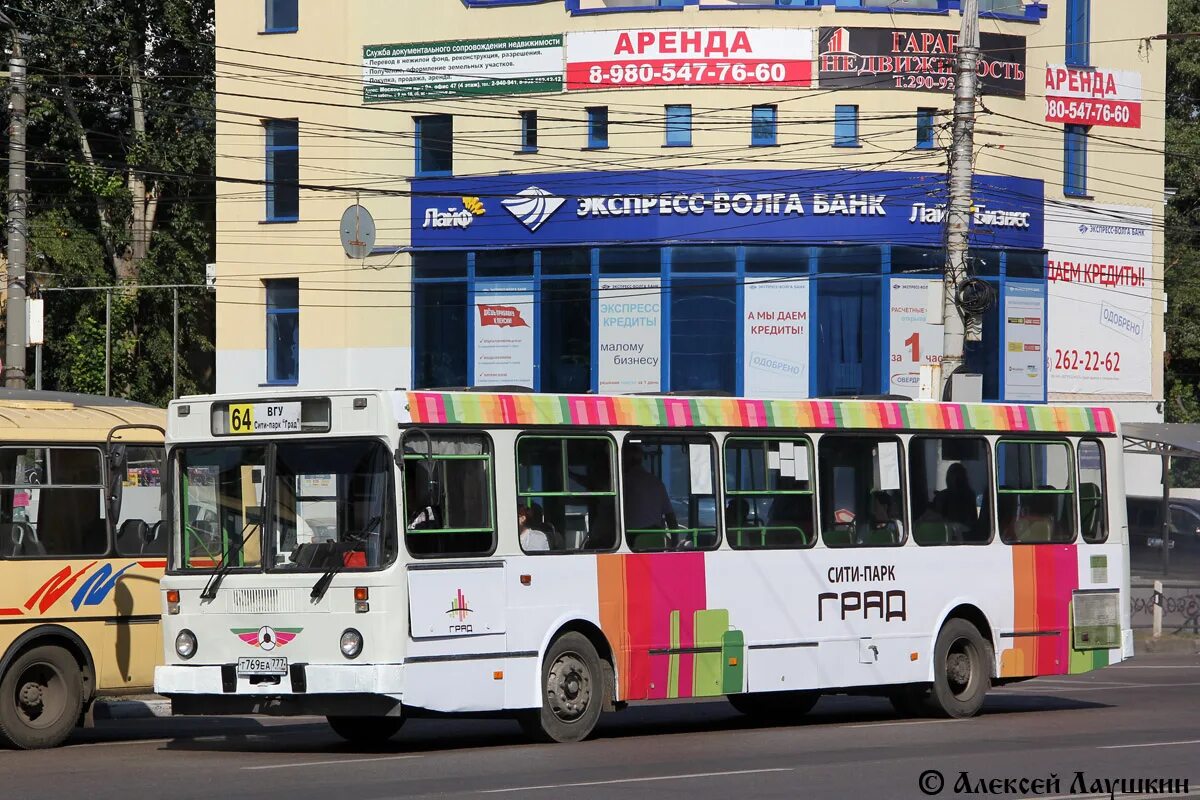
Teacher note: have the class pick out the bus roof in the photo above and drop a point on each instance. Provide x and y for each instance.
(630, 411)
(27, 416)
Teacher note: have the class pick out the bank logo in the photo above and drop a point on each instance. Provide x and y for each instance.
(533, 207)
(266, 638)
(458, 606)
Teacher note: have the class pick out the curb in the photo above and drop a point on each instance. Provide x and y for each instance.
(131, 709)
(1168, 644)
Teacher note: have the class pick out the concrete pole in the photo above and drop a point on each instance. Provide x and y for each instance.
(108, 343)
(958, 212)
(14, 346)
(174, 343)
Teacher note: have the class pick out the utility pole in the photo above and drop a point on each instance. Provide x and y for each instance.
(14, 348)
(958, 212)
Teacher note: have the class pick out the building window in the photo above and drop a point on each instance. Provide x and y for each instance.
(283, 330)
(849, 332)
(1075, 139)
(679, 126)
(529, 132)
(435, 145)
(282, 16)
(1079, 23)
(763, 127)
(925, 128)
(597, 127)
(283, 170)
(703, 353)
(845, 126)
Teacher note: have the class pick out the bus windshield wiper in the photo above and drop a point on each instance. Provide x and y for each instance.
(322, 585)
(222, 569)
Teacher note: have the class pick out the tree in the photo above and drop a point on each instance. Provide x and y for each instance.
(121, 162)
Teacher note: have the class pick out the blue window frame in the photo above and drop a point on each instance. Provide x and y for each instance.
(764, 126)
(849, 336)
(679, 126)
(1079, 33)
(1075, 139)
(703, 353)
(282, 16)
(529, 132)
(925, 128)
(283, 170)
(845, 126)
(283, 330)
(434, 145)
(597, 127)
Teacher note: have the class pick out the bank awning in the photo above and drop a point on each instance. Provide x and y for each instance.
(1173, 439)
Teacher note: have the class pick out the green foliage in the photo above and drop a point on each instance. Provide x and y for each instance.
(82, 56)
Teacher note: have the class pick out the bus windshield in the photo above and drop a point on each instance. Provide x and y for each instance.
(320, 505)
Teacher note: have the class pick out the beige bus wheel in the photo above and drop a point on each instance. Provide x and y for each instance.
(41, 698)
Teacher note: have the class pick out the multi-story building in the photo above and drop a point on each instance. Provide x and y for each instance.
(643, 195)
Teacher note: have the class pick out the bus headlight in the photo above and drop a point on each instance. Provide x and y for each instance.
(352, 643)
(185, 644)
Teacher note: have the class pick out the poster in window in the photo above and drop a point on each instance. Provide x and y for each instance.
(1024, 334)
(504, 333)
(914, 341)
(1099, 279)
(630, 340)
(776, 334)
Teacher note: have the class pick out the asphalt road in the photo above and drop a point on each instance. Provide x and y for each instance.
(1138, 719)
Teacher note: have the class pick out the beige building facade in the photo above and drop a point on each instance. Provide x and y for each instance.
(717, 195)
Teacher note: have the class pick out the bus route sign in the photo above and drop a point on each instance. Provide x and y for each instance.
(250, 418)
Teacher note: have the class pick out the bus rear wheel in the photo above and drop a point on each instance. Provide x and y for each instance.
(573, 692)
(962, 670)
(366, 730)
(782, 706)
(41, 698)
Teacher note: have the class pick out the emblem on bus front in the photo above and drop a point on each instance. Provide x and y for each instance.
(266, 638)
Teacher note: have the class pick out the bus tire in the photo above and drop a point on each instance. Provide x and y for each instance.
(781, 706)
(41, 698)
(573, 692)
(962, 672)
(366, 730)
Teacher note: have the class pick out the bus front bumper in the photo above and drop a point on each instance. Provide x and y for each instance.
(327, 689)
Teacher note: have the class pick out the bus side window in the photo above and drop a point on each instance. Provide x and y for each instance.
(669, 485)
(138, 525)
(1036, 492)
(769, 494)
(862, 504)
(53, 502)
(566, 494)
(1093, 512)
(950, 490)
(448, 494)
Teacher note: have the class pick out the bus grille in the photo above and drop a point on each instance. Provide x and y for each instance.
(263, 601)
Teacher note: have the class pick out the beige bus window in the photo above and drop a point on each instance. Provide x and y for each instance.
(52, 503)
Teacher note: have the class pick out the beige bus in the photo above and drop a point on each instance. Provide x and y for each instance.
(81, 553)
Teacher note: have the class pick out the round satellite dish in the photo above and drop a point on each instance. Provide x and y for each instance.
(357, 232)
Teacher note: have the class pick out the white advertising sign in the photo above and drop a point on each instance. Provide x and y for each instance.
(1099, 274)
(1024, 333)
(1093, 96)
(776, 57)
(630, 340)
(504, 334)
(914, 340)
(776, 330)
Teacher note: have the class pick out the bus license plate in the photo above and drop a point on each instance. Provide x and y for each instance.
(262, 666)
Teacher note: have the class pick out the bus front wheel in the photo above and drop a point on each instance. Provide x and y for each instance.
(962, 670)
(573, 692)
(366, 730)
(41, 698)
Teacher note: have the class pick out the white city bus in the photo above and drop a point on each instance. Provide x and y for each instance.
(373, 555)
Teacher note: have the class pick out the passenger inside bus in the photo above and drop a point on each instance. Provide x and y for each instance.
(531, 526)
(647, 504)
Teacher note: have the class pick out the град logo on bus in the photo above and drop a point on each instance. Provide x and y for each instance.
(266, 638)
(459, 610)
